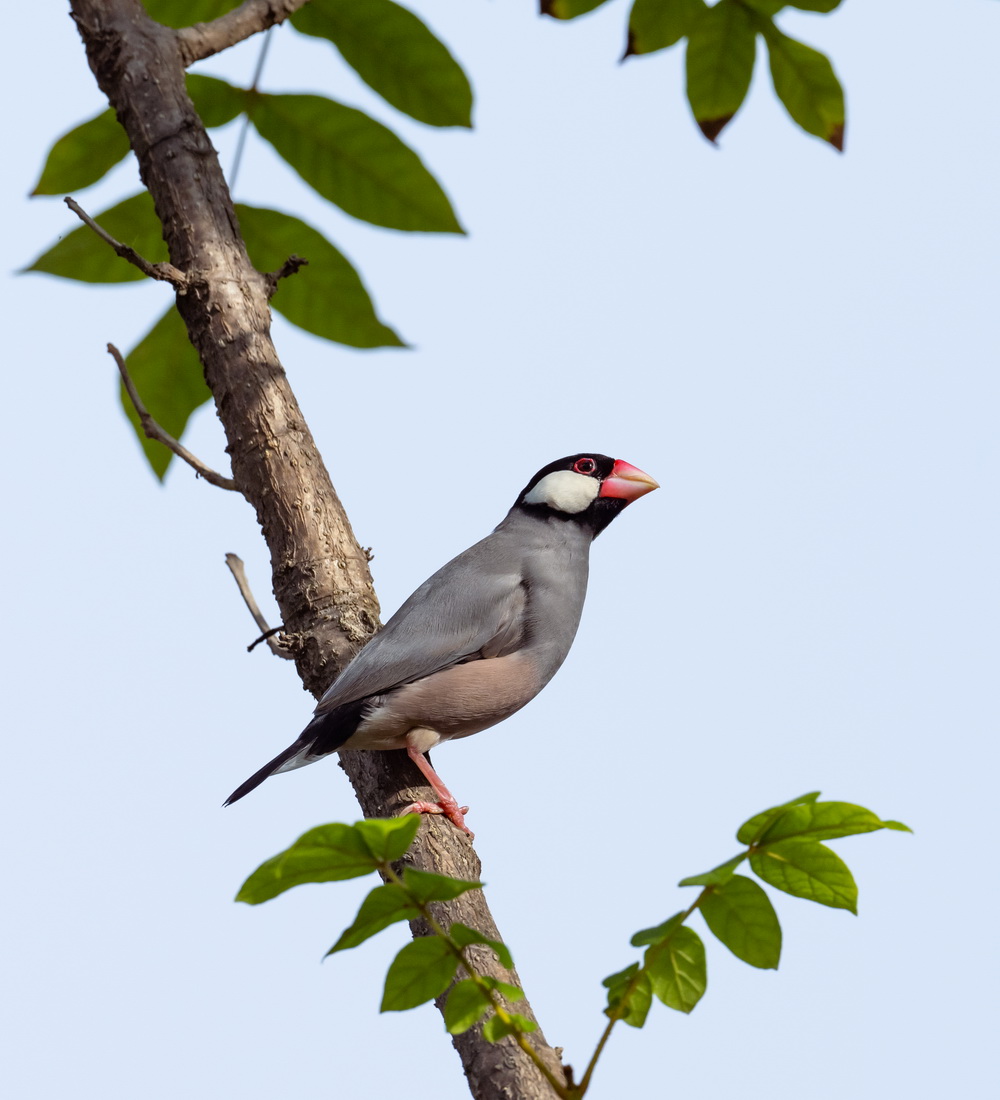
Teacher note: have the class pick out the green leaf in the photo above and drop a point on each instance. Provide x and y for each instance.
(717, 876)
(328, 853)
(660, 932)
(419, 973)
(772, 7)
(355, 162)
(676, 969)
(767, 7)
(82, 255)
(509, 992)
(466, 1005)
(82, 156)
(216, 101)
(808, 870)
(385, 905)
(754, 828)
(185, 13)
(327, 298)
(636, 1003)
(170, 381)
(617, 981)
(655, 24)
(424, 886)
(630, 995)
(720, 59)
(463, 936)
(806, 84)
(814, 5)
(568, 9)
(388, 838)
(395, 54)
(823, 821)
(740, 914)
(496, 1029)
(89, 151)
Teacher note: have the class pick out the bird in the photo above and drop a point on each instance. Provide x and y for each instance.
(480, 638)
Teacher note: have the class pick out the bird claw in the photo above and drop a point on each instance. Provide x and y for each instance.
(449, 808)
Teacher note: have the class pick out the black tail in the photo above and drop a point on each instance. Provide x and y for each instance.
(324, 734)
(257, 778)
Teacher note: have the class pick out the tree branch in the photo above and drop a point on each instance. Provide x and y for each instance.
(235, 563)
(250, 18)
(161, 435)
(291, 266)
(166, 273)
(321, 579)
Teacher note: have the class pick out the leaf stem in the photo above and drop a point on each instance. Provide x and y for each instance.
(617, 1012)
(496, 1003)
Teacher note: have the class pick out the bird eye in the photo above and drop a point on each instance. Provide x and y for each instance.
(585, 466)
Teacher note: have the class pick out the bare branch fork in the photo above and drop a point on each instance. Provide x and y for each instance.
(161, 435)
(321, 580)
(165, 272)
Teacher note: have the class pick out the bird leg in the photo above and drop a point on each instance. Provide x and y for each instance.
(447, 805)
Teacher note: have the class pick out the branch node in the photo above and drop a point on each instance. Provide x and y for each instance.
(264, 637)
(163, 272)
(154, 431)
(251, 17)
(235, 563)
(291, 266)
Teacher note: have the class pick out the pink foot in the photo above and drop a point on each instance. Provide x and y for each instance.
(449, 807)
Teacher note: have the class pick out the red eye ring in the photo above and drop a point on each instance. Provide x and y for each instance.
(584, 466)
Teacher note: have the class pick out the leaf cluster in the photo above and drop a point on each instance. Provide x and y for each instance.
(784, 849)
(425, 968)
(783, 845)
(721, 54)
(345, 155)
(363, 167)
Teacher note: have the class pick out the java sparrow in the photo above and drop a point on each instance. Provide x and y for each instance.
(481, 637)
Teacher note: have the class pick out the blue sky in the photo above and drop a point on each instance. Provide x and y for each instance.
(801, 347)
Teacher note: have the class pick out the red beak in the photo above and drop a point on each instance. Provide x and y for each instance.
(627, 483)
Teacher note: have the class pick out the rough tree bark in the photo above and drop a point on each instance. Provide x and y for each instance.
(320, 575)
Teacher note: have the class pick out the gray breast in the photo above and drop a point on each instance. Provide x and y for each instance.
(517, 662)
(556, 569)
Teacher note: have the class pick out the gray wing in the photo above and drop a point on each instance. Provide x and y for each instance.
(472, 607)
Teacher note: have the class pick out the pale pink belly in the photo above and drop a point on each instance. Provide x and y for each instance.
(455, 703)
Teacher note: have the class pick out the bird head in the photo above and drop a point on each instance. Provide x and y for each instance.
(588, 488)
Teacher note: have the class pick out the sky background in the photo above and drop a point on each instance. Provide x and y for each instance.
(801, 347)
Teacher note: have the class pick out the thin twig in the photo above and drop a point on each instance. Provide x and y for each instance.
(252, 16)
(235, 563)
(618, 1011)
(154, 431)
(241, 142)
(293, 263)
(289, 267)
(264, 637)
(166, 273)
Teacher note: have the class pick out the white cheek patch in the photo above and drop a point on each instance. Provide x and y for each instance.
(565, 491)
